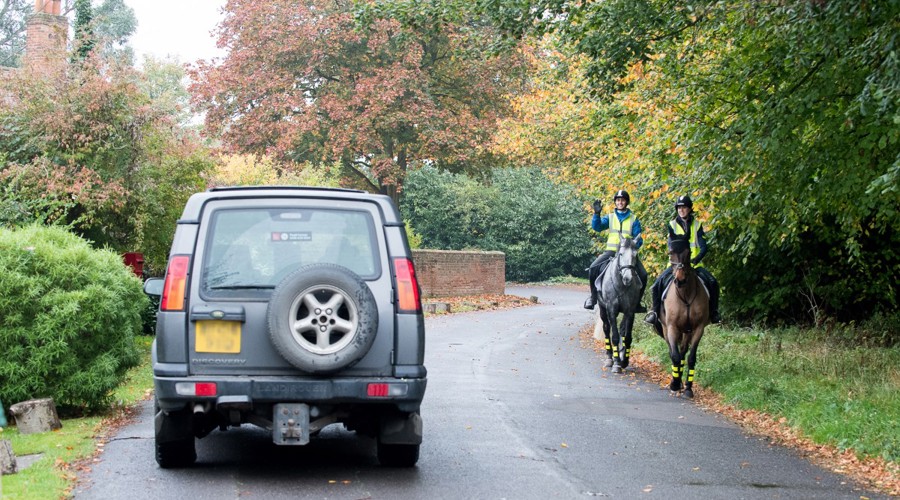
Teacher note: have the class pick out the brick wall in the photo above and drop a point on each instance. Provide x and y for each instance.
(445, 273)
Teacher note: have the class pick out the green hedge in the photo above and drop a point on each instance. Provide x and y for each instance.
(540, 225)
(68, 319)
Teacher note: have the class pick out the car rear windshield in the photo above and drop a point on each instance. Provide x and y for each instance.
(250, 251)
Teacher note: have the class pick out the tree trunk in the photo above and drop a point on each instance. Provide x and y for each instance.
(7, 458)
(36, 415)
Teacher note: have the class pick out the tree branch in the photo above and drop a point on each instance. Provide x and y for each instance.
(361, 175)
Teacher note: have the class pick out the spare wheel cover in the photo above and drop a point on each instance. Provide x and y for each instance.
(322, 318)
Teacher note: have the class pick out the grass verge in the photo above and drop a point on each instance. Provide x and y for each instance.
(823, 394)
(54, 454)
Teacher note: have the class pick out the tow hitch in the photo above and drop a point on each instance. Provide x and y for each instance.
(291, 424)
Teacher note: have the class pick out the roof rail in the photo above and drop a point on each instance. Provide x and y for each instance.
(306, 188)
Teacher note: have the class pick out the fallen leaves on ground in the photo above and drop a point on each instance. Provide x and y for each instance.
(875, 473)
(120, 417)
(482, 302)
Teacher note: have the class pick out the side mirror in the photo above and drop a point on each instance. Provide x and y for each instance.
(154, 287)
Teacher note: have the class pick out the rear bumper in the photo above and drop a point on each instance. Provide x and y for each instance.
(273, 389)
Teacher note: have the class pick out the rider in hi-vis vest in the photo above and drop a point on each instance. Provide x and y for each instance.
(693, 240)
(622, 223)
(686, 226)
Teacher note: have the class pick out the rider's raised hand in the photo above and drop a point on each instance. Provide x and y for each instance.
(598, 206)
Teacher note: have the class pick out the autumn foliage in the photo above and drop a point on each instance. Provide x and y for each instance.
(778, 118)
(309, 81)
(89, 150)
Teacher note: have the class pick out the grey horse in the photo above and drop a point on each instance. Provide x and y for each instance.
(619, 289)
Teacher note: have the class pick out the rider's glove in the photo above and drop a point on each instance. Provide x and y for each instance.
(598, 207)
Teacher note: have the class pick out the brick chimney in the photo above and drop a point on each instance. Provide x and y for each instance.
(47, 34)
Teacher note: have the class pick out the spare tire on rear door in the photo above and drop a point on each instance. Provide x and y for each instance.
(322, 318)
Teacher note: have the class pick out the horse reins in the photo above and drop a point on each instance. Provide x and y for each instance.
(620, 269)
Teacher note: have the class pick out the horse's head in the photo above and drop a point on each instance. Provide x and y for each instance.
(680, 257)
(626, 260)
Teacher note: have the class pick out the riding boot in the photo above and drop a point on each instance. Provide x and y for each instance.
(641, 307)
(642, 273)
(653, 316)
(592, 300)
(712, 285)
(714, 316)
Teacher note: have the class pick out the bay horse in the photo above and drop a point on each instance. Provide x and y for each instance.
(684, 316)
(618, 291)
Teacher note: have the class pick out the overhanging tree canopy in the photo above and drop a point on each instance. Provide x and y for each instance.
(780, 117)
(310, 81)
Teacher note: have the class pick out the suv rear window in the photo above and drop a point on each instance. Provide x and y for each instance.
(249, 251)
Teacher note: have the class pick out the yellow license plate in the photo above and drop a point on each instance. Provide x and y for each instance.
(219, 337)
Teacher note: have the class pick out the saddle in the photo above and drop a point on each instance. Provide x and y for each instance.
(598, 283)
(671, 279)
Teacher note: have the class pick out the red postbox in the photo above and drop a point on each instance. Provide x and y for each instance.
(135, 261)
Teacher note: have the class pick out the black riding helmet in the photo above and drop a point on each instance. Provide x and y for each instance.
(622, 194)
(684, 201)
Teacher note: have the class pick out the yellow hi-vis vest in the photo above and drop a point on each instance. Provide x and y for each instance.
(617, 230)
(692, 238)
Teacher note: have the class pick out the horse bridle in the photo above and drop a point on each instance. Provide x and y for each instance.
(675, 267)
(629, 266)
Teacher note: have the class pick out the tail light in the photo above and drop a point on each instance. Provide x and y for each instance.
(382, 390)
(195, 388)
(175, 285)
(408, 300)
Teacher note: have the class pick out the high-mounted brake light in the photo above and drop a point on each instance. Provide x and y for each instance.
(408, 300)
(175, 285)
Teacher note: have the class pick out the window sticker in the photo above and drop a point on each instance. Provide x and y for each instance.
(292, 236)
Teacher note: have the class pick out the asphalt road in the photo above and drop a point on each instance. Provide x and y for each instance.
(517, 407)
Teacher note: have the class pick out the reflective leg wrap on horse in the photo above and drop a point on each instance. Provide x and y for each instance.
(691, 359)
(678, 370)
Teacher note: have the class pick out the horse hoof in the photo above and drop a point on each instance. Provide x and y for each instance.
(607, 363)
(675, 386)
(688, 393)
(625, 363)
(617, 368)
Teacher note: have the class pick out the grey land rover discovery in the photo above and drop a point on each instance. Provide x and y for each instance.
(290, 309)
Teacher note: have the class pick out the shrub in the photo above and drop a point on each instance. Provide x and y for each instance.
(538, 224)
(98, 154)
(68, 319)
